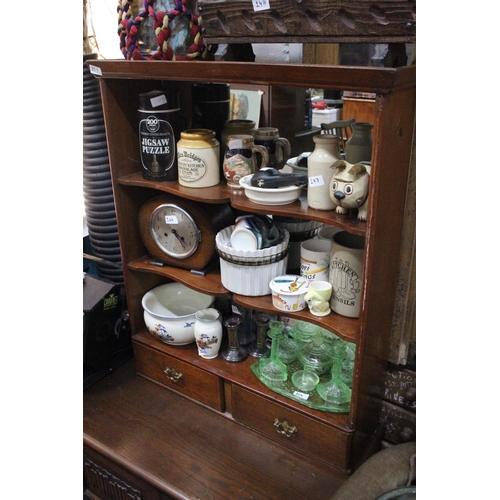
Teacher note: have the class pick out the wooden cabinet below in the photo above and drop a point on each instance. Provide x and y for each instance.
(152, 443)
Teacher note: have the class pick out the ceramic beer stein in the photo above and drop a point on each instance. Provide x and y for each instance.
(279, 148)
(240, 158)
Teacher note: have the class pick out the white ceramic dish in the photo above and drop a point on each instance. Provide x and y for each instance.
(169, 312)
(270, 196)
(288, 292)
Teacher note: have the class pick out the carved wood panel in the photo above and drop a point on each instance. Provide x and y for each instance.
(309, 20)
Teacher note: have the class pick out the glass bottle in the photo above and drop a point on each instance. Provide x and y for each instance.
(326, 153)
(259, 347)
(335, 393)
(359, 146)
(233, 352)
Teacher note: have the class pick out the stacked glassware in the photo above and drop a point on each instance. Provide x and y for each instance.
(308, 364)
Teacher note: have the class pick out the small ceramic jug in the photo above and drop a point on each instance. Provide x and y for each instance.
(240, 158)
(279, 148)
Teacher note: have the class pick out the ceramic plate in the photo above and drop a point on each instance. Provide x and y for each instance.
(270, 196)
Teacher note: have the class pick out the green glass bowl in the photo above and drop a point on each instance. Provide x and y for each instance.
(305, 380)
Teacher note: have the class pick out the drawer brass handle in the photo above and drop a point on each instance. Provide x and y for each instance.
(172, 374)
(284, 428)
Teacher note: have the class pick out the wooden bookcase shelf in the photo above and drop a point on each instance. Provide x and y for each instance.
(339, 441)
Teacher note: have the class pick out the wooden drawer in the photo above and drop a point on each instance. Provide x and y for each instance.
(171, 372)
(310, 437)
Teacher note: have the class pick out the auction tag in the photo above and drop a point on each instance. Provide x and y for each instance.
(260, 5)
(301, 395)
(158, 101)
(95, 70)
(171, 219)
(316, 181)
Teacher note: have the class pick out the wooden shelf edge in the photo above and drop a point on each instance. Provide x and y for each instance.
(300, 210)
(214, 195)
(357, 78)
(346, 328)
(209, 284)
(236, 198)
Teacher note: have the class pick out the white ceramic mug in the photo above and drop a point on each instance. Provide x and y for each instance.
(255, 232)
(315, 259)
(346, 273)
(318, 296)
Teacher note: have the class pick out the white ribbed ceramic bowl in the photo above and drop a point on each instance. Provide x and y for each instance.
(248, 272)
(169, 312)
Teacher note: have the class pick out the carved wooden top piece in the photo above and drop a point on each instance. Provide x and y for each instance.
(308, 21)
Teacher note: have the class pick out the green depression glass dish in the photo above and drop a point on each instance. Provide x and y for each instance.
(305, 380)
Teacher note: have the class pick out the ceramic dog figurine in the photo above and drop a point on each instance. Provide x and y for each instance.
(349, 187)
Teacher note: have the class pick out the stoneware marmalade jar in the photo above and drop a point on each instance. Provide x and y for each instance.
(198, 158)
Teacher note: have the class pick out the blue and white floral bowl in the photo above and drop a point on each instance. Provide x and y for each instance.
(169, 312)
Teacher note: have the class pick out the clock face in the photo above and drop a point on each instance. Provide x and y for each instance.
(174, 231)
(181, 233)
